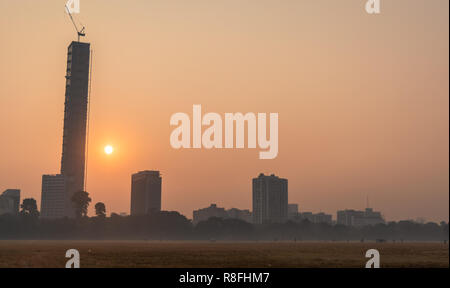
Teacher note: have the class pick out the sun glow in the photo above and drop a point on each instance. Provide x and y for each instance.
(109, 149)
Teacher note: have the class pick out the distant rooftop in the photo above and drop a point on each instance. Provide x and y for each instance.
(12, 192)
(148, 172)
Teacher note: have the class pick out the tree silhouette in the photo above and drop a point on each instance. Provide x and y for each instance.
(29, 207)
(81, 200)
(100, 209)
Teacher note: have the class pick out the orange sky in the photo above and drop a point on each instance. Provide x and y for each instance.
(362, 99)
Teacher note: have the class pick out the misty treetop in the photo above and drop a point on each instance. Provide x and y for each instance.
(167, 225)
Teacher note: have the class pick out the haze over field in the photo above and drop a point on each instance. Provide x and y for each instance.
(140, 254)
(362, 99)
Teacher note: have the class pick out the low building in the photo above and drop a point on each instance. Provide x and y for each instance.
(315, 217)
(322, 218)
(357, 218)
(209, 212)
(244, 215)
(10, 202)
(214, 211)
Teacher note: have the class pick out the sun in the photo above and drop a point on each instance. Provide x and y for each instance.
(109, 149)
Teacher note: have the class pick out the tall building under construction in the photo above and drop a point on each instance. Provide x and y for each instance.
(56, 202)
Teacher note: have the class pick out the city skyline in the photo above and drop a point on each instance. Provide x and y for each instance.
(351, 124)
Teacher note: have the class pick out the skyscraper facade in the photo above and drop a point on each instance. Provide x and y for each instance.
(270, 199)
(75, 120)
(53, 199)
(145, 192)
(73, 158)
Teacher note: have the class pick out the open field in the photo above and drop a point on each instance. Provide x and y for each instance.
(38, 253)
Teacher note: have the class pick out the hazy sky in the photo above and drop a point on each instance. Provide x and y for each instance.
(362, 99)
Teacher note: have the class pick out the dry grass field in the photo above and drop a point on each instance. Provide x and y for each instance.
(220, 254)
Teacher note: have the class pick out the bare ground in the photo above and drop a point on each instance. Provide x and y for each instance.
(220, 254)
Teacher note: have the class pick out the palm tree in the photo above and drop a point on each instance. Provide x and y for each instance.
(81, 200)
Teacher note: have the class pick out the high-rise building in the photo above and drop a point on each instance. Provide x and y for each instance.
(75, 120)
(74, 134)
(270, 199)
(145, 192)
(53, 199)
(10, 202)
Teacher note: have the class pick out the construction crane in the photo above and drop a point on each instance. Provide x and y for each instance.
(80, 33)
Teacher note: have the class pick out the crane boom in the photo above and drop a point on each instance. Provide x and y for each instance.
(80, 33)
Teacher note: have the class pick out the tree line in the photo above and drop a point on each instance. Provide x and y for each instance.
(171, 225)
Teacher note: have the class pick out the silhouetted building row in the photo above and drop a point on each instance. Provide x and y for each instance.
(10, 202)
(145, 192)
(57, 190)
(359, 218)
(295, 215)
(214, 211)
(270, 199)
